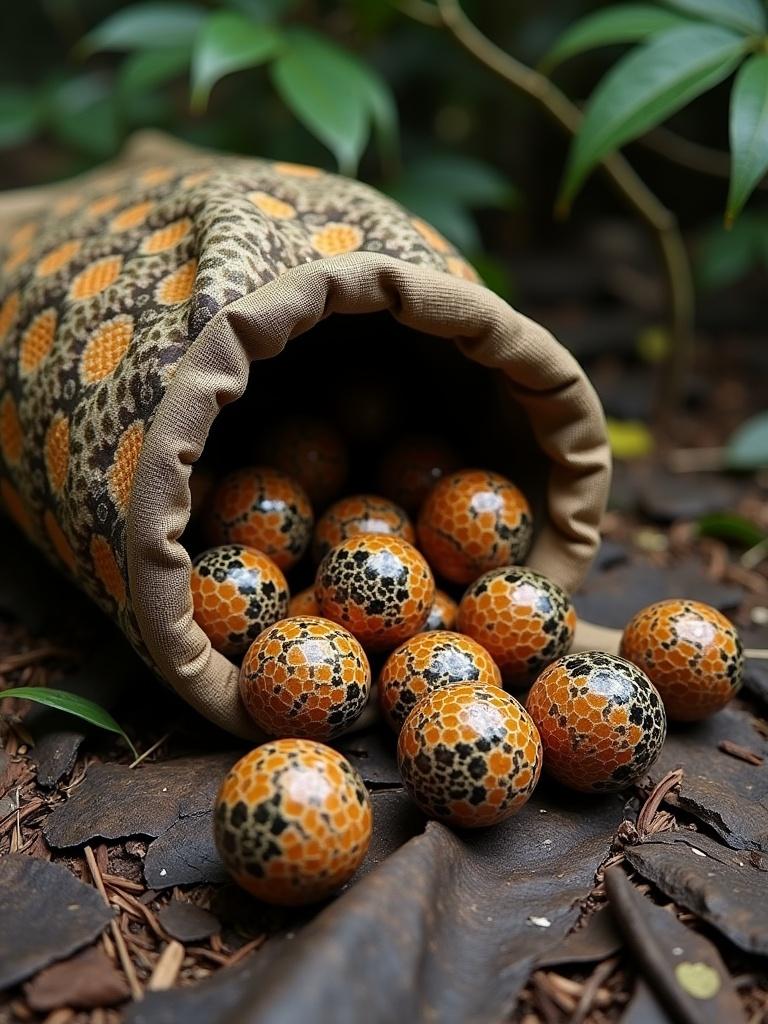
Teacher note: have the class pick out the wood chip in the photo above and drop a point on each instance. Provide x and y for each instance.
(167, 968)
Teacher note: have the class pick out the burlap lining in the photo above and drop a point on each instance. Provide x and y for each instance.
(544, 379)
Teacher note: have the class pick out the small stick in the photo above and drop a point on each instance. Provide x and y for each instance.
(167, 967)
(118, 882)
(243, 952)
(591, 989)
(117, 935)
(741, 753)
(25, 658)
(151, 750)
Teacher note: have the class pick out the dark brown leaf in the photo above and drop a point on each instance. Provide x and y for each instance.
(373, 754)
(683, 968)
(644, 1008)
(187, 922)
(726, 793)
(598, 939)
(83, 982)
(47, 914)
(612, 597)
(115, 801)
(721, 886)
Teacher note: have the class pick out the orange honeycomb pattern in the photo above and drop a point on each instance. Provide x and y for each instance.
(473, 521)
(313, 453)
(61, 545)
(601, 721)
(178, 286)
(524, 620)
(167, 237)
(469, 755)
(57, 453)
(336, 238)
(358, 514)
(272, 206)
(412, 468)
(11, 434)
(107, 570)
(691, 653)
(265, 509)
(123, 468)
(37, 341)
(132, 217)
(236, 593)
(96, 278)
(9, 310)
(304, 603)
(443, 613)
(58, 258)
(106, 347)
(378, 587)
(428, 662)
(292, 822)
(306, 677)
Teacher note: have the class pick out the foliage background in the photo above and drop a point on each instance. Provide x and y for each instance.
(460, 147)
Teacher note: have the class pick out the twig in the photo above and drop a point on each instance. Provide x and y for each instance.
(15, 661)
(249, 947)
(591, 989)
(151, 750)
(122, 952)
(657, 217)
(167, 967)
(741, 753)
(691, 155)
(421, 10)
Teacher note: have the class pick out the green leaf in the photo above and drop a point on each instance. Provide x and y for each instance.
(146, 26)
(723, 257)
(729, 527)
(73, 704)
(622, 23)
(228, 42)
(748, 447)
(330, 92)
(647, 85)
(20, 115)
(749, 132)
(263, 10)
(83, 113)
(471, 181)
(144, 71)
(745, 15)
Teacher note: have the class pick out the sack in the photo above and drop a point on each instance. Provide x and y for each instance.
(132, 301)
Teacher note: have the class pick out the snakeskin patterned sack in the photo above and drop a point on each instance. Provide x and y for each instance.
(132, 301)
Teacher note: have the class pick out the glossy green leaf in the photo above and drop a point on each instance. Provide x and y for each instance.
(748, 447)
(330, 92)
(651, 82)
(144, 71)
(263, 10)
(83, 113)
(20, 115)
(619, 23)
(723, 257)
(730, 527)
(744, 15)
(227, 42)
(451, 217)
(146, 26)
(473, 182)
(749, 132)
(73, 704)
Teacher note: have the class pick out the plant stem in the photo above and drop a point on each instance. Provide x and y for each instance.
(661, 221)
